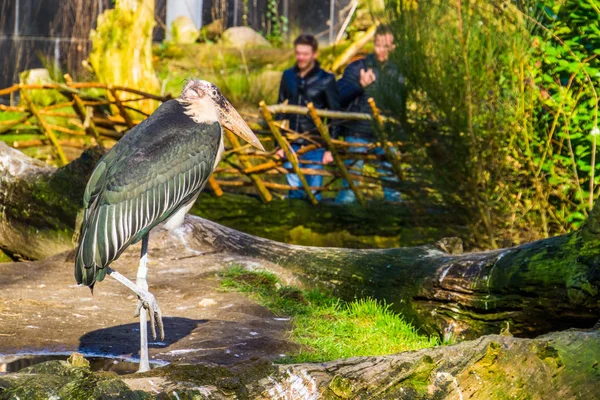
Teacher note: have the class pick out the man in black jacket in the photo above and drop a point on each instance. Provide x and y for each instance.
(304, 83)
(365, 78)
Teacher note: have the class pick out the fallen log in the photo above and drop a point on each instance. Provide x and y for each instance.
(560, 365)
(535, 288)
(532, 289)
(39, 203)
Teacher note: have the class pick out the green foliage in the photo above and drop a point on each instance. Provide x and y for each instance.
(277, 25)
(244, 77)
(504, 105)
(328, 328)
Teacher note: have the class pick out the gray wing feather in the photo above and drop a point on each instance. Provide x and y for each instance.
(135, 188)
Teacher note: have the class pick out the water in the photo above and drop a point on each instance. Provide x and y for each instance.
(121, 366)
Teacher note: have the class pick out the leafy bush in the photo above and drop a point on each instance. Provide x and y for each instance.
(504, 102)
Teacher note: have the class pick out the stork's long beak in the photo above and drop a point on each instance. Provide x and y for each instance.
(231, 119)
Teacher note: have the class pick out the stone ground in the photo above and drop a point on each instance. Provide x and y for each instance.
(42, 309)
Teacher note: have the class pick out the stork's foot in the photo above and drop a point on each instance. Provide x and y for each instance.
(147, 300)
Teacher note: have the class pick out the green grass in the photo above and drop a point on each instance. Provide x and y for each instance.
(327, 327)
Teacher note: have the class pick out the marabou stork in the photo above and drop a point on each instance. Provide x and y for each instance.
(152, 175)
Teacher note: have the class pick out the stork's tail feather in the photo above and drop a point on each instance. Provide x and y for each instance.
(87, 271)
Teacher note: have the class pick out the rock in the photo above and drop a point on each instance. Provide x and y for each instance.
(559, 365)
(61, 380)
(184, 31)
(40, 97)
(36, 76)
(212, 30)
(242, 36)
(207, 303)
(78, 360)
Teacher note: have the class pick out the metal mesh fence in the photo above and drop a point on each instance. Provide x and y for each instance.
(55, 33)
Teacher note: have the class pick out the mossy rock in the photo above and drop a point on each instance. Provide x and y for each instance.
(41, 97)
(184, 31)
(242, 37)
(62, 380)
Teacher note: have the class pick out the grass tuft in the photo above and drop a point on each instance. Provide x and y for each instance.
(327, 327)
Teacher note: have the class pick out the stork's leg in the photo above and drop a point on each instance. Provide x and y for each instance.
(143, 284)
(146, 303)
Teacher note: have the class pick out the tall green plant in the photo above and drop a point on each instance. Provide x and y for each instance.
(507, 109)
(569, 75)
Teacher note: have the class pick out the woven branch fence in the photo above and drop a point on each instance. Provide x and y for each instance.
(88, 114)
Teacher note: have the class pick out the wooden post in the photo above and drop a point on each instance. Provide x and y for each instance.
(45, 128)
(121, 107)
(79, 108)
(263, 192)
(286, 149)
(8, 125)
(390, 154)
(214, 185)
(338, 160)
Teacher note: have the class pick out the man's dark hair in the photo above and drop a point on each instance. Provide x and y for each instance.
(383, 30)
(307, 39)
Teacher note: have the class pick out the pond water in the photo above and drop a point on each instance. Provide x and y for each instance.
(121, 366)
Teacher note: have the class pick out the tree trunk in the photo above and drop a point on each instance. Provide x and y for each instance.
(39, 203)
(532, 289)
(122, 49)
(561, 365)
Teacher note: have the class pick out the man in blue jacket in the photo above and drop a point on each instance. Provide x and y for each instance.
(306, 82)
(362, 79)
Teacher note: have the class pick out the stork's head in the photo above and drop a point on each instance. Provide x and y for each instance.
(203, 98)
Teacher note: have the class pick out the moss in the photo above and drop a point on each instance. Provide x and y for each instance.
(491, 355)
(61, 379)
(420, 375)
(549, 355)
(4, 258)
(32, 387)
(121, 32)
(341, 387)
(41, 97)
(78, 360)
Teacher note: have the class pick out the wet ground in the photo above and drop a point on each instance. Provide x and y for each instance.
(43, 310)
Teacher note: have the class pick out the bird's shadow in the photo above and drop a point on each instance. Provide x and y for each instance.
(124, 340)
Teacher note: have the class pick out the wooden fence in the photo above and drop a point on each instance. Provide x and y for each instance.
(95, 113)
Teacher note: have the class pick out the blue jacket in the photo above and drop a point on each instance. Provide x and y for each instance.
(317, 86)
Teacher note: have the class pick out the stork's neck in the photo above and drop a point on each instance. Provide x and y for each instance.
(200, 110)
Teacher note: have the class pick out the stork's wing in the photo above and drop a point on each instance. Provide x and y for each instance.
(157, 168)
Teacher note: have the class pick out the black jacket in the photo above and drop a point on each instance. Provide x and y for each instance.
(317, 86)
(354, 98)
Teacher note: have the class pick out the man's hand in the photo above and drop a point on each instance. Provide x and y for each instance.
(367, 77)
(280, 153)
(327, 157)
